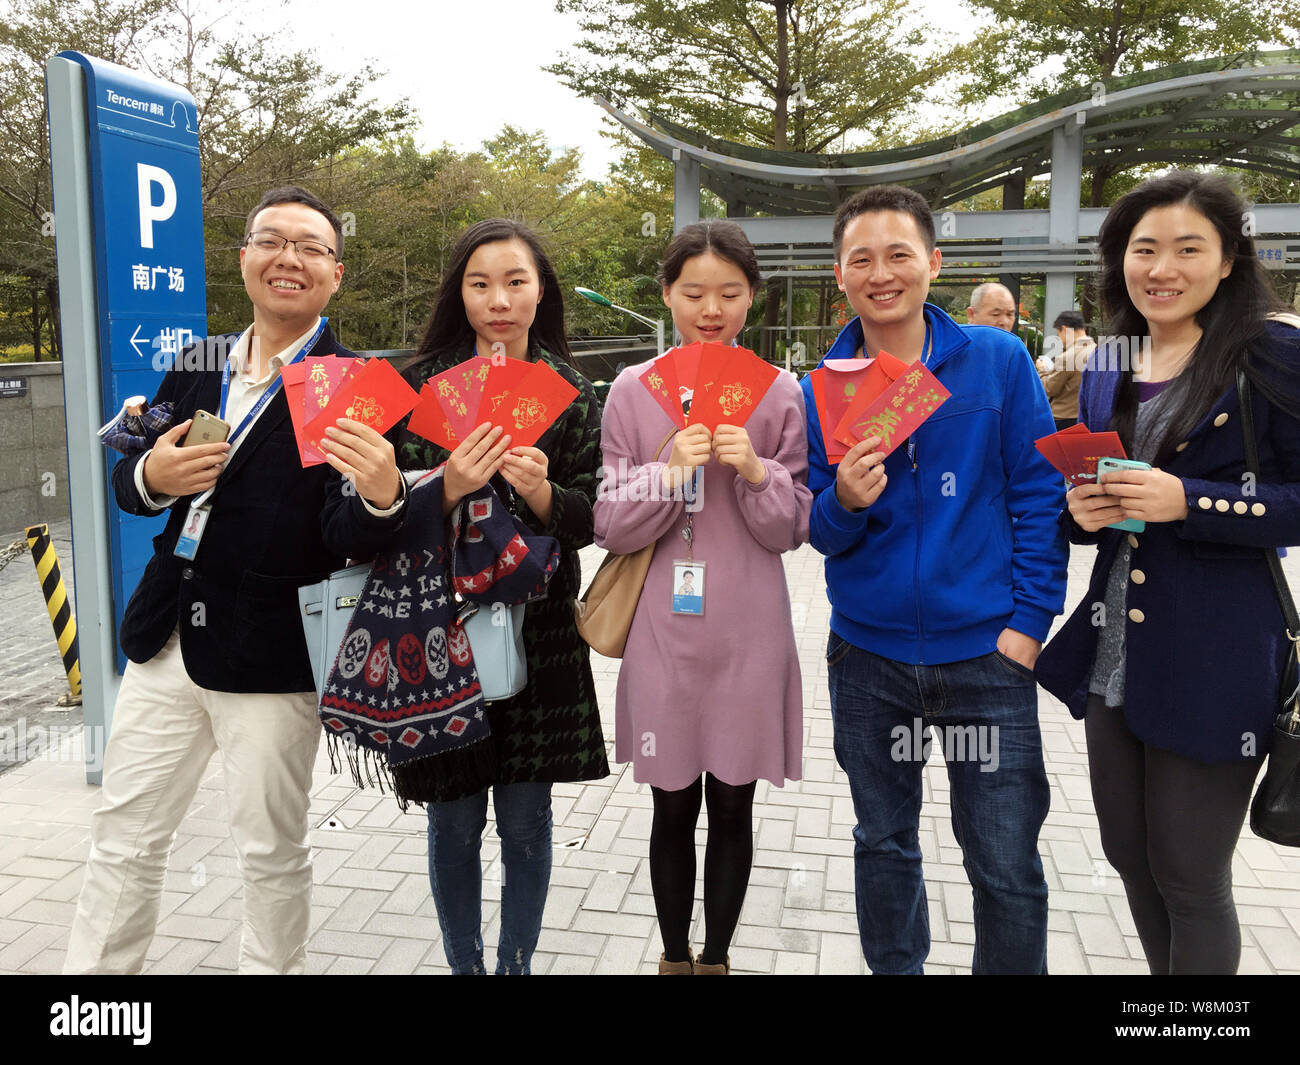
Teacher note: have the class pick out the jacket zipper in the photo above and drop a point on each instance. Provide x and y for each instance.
(916, 565)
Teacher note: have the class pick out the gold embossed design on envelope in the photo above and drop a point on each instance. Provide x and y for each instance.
(529, 410)
(365, 409)
(735, 396)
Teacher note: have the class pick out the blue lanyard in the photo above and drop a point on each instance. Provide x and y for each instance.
(911, 440)
(271, 389)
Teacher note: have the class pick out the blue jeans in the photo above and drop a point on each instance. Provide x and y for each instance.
(523, 816)
(984, 715)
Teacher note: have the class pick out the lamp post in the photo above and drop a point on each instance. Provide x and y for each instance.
(602, 301)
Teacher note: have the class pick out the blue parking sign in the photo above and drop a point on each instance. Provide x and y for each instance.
(146, 203)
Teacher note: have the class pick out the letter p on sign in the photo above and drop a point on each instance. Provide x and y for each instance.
(147, 176)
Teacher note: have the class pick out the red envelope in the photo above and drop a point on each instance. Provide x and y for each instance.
(460, 391)
(534, 404)
(834, 449)
(1050, 448)
(294, 378)
(897, 412)
(686, 361)
(731, 393)
(660, 380)
(324, 374)
(705, 406)
(430, 421)
(498, 388)
(835, 385)
(883, 371)
(1082, 450)
(375, 395)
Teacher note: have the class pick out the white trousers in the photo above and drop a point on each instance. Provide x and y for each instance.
(165, 729)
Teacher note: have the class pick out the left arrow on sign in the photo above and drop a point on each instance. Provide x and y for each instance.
(135, 342)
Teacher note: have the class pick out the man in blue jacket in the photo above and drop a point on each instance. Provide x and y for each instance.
(944, 568)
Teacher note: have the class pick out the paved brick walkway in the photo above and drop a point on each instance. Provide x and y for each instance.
(372, 911)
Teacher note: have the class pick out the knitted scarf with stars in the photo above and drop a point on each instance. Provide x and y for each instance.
(404, 691)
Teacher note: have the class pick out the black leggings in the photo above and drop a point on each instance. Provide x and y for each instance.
(728, 855)
(1169, 826)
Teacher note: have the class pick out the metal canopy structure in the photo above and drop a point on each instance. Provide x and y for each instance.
(1240, 112)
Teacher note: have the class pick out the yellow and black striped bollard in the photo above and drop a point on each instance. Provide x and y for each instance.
(56, 602)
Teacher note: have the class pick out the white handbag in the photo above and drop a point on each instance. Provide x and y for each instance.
(496, 635)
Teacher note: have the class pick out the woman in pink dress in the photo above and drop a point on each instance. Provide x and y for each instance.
(709, 694)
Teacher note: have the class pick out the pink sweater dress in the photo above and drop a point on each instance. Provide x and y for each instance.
(719, 693)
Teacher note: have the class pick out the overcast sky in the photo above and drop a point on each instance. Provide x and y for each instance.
(469, 68)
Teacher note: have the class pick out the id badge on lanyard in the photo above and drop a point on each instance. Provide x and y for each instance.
(688, 573)
(196, 521)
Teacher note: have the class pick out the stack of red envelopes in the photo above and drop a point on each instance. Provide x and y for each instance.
(322, 389)
(881, 396)
(523, 398)
(1075, 451)
(724, 384)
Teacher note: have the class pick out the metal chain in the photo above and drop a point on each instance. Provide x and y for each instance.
(13, 551)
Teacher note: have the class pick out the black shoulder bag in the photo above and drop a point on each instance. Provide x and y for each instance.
(1275, 810)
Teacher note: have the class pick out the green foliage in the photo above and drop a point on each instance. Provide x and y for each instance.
(1040, 47)
(267, 116)
(801, 75)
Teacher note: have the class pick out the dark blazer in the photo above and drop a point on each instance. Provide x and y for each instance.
(1205, 641)
(237, 602)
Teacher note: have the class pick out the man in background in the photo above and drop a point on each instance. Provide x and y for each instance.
(1062, 372)
(992, 304)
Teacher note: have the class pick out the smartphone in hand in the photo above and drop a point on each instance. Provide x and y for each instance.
(206, 429)
(1109, 465)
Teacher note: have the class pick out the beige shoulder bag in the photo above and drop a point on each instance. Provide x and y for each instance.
(604, 612)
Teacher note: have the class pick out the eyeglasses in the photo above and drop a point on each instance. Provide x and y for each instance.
(266, 241)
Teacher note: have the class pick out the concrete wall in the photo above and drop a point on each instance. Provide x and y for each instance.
(33, 443)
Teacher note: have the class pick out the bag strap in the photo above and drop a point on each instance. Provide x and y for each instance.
(1252, 464)
(662, 443)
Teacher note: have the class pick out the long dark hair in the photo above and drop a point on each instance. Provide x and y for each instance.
(449, 328)
(725, 239)
(1232, 322)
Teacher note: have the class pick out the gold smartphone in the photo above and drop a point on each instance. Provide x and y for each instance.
(206, 429)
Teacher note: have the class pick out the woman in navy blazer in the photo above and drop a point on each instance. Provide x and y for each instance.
(1176, 651)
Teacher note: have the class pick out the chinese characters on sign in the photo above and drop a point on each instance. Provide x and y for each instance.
(1272, 253)
(145, 278)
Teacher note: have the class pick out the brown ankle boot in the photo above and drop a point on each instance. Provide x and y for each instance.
(677, 968)
(713, 970)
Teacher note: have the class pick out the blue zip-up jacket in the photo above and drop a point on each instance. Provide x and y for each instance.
(968, 541)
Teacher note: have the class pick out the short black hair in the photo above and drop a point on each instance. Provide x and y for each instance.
(1069, 320)
(297, 194)
(884, 198)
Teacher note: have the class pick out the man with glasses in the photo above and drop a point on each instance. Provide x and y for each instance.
(217, 655)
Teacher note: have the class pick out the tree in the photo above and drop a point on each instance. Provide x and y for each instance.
(791, 75)
(1041, 47)
(34, 31)
(797, 75)
(266, 116)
